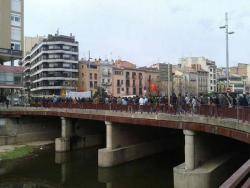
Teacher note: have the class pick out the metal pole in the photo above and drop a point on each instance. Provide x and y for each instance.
(168, 84)
(227, 53)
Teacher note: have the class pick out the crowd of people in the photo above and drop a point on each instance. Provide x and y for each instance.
(180, 103)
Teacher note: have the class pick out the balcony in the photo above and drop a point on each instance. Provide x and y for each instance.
(8, 54)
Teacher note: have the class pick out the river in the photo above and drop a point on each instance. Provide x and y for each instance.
(46, 169)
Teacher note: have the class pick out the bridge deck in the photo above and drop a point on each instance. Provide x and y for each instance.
(225, 126)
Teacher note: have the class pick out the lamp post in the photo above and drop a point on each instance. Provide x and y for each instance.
(227, 53)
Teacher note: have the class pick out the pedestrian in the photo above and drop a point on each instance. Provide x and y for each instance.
(7, 102)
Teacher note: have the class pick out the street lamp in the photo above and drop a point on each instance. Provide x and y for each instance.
(227, 53)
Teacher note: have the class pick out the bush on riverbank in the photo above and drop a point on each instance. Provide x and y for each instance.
(16, 153)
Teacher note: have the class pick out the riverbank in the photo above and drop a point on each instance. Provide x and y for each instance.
(9, 152)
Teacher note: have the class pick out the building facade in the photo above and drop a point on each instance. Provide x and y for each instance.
(11, 32)
(30, 42)
(192, 81)
(11, 82)
(207, 65)
(165, 73)
(106, 73)
(52, 66)
(89, 75)
(237, 84)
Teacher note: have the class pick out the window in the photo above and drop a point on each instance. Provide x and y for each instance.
(102, 80)
(66, 65)
(54, 56)
(95, 84)
(16, 5)
(134, 91)
(66, 56)
(16, 20)
(16, 45)
(91, 84)
(16, 34)
(66, 47)
(95, 76)
(90, 75)
(118, 83)
(118, 90)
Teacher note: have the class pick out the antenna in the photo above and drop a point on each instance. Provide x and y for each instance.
(89, 55)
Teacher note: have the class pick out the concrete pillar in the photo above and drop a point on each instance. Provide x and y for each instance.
(189, 149)
(205, 165)
(125, 143)
(109, 135)
(66, 127)
(63, 144)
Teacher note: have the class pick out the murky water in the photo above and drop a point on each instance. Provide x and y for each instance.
(79, 169)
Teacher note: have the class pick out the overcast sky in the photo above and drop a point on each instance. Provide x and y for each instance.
(145, 31)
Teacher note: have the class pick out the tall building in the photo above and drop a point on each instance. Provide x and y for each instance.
(89, 75)
(206, 65)
(30, 42)
(106, 72)
(165, 73)
(52, 66)
(11, 31)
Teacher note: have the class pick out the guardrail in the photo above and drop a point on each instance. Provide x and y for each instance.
(10, 52)
(240, 178)
(238, 113)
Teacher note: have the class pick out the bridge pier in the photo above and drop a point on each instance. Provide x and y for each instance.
(126, 143)
(63, 144)
(77, 134)
(205, 166)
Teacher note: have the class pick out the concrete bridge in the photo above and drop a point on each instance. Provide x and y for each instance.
(129, 136)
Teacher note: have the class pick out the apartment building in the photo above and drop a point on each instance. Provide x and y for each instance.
(165, 73)
(11, 31)
(237, 84)
(207, 65)
(30, 42)
(89, 75)
(193, 80)
(51, 68)
(106, 73)
(152, 82)
(127, 79)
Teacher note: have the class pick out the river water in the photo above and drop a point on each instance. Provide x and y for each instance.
(46, 169)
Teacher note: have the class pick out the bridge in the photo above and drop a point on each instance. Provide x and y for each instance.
(129, 134)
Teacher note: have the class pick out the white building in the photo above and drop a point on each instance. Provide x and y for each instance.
(206, 65)
(106, 70)
(52, 66)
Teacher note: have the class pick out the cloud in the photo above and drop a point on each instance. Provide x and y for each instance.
(145, 30)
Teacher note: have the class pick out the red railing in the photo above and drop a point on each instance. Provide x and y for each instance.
(239, 113)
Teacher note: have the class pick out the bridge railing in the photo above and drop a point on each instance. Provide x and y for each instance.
(238, 113)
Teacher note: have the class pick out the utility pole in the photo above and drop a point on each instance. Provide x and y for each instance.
(168, 84)
(227, 52)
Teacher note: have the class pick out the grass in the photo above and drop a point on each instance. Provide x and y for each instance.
(16, 153)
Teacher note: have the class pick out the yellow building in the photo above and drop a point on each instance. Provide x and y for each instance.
(11, 31)
(30, 42)
(89, 76)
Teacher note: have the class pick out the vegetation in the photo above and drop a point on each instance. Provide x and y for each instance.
(16, 153)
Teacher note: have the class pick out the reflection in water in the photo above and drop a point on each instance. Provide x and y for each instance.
(79, 169)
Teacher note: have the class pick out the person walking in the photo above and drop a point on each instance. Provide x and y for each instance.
(7, 102)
